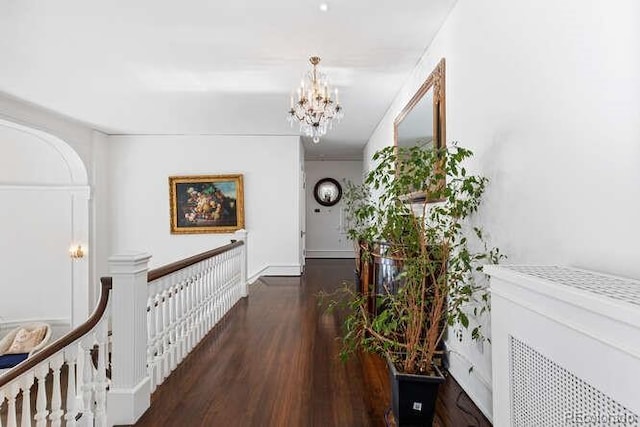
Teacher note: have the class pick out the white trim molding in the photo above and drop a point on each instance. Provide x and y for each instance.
(321, 253)
(275, 270)
(472, 382)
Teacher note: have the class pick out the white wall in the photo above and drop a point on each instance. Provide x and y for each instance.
(140, 195)
(325, 232)
(547, 94)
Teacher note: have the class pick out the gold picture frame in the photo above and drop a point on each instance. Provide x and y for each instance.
(206, 203)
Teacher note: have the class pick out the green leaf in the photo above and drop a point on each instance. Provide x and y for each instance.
(464, 320)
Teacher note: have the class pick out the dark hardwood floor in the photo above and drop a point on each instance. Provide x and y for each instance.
(273, 361)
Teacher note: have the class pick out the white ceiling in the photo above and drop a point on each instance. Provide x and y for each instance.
(212, 67)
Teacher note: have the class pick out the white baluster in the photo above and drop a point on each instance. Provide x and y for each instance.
(41, 397)
(187, 315)
(205, 297)
(166, 363)
(217, 280)
(189, 295)
(87, 383)
(160, 333)
(176, 322)
(166, 336)
(194, 311)
(27, 382)
(224, 283)
(229, 271)
(14, 389)
(56, 392)
(101, 376)
(203, 300)
(225, 269)
(212, 293)
(79, 376)
(238, 269)
(183, 317)
(231, 274)
(216, 284)
(151, 330)
(71, 355)
(169, 358)
(199, 314)
(194, 307)
(157, 342)
(174, 310)
(179, 320)
(234, 279)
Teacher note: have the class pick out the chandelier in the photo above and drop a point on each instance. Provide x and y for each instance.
(315, 108)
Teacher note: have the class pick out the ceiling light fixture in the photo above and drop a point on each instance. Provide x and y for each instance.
(324, 7)
(315, 108)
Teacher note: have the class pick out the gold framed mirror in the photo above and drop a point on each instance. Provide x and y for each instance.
(423, 120)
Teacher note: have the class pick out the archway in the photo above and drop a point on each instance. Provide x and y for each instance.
(45, 193)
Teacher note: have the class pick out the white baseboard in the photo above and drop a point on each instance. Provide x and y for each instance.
(275, 270)
(59, 327)
(126, 406)
(473, 383)
(310, 253)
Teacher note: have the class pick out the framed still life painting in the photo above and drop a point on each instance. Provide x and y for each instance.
(206, 204)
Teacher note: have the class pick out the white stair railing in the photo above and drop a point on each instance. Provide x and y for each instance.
(81, 356)
(156, 318)
(186, 300)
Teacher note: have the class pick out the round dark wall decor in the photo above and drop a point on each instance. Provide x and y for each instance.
(327, 192)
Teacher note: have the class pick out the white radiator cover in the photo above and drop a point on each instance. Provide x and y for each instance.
(565, 347)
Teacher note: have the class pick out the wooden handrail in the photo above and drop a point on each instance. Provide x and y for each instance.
(67, 339)
(184, 263)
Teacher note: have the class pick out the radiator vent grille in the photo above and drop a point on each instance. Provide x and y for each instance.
(608, 286)
(545, 394)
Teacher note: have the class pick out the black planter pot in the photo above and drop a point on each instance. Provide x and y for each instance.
(358, 281)
(413, 397)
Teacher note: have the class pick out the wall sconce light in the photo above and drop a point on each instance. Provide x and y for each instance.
(76, 252)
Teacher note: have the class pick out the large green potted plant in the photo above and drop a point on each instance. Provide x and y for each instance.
(420, 208)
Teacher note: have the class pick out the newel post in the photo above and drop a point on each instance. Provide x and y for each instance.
(242, 235)
(129, 394)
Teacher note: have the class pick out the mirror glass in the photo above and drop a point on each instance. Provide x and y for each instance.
(417, 128)
(422, 120)
(327, 192)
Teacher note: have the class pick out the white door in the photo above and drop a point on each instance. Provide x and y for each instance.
(303, 218)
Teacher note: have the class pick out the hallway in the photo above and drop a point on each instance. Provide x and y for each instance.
(273, 361)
